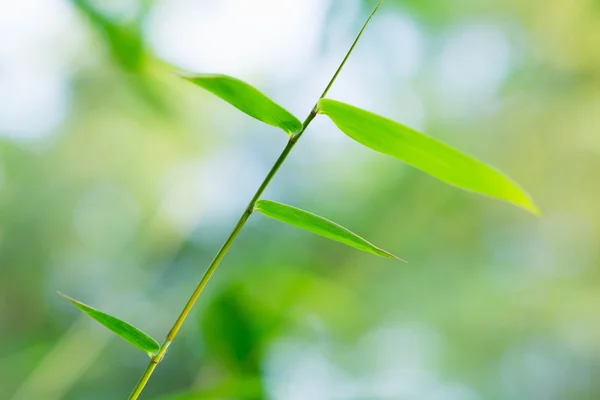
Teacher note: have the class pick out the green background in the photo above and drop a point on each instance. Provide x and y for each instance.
(119, 181)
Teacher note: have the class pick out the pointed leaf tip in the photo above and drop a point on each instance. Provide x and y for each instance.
(318, 225)
(126, 331)
(424, 152)
(247, 99)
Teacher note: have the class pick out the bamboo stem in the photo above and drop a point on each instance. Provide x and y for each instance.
(157, 358)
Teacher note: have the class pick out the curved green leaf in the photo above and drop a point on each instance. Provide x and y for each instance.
(247, 99)
(319, 225)
(128, 332)
(423, 152)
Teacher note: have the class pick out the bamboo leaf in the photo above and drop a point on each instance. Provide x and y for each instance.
(247, 99)
(128, 332)
(423, 152)
(319, 225)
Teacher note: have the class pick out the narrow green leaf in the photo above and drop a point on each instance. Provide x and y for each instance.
(319, 225)
(247, 99)
(128, 332)
(423, 152)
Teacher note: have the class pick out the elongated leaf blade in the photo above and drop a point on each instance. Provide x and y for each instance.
(319, 225)
(247, 99)
(128, 332)
(423, 152)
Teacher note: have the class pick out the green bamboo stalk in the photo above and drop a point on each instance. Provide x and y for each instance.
(157, 358)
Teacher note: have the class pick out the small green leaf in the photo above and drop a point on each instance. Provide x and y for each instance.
(247, 99)
(319, 225)
(128, 332)
(423, 152)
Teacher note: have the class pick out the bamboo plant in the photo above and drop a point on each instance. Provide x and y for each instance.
(371, 130)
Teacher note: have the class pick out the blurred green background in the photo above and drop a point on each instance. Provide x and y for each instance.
(118, 183)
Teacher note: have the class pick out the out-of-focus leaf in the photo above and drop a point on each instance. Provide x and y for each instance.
(247, 99)
(125, 44)
(423, 152)
(232, 335)
(240, 388)
(319, 225)
(128, 332)
(124, 41)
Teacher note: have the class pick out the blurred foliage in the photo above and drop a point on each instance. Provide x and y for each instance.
(124, 204)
